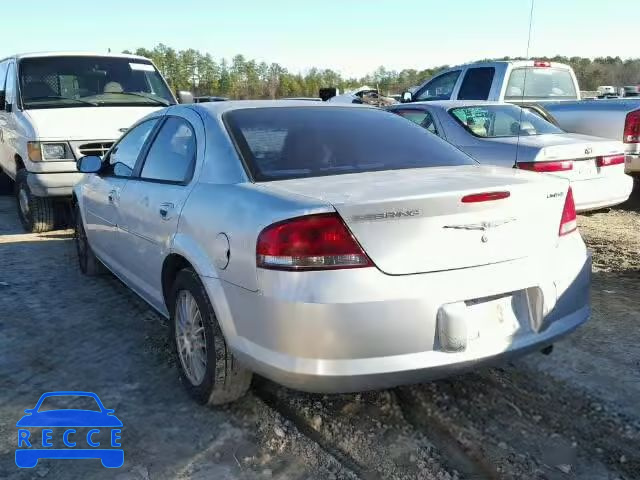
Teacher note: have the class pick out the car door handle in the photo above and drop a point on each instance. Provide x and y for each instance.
(166, 210)
(113, 196)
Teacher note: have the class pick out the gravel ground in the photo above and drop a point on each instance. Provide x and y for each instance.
(572, 414)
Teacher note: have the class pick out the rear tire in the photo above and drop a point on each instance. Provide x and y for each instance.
(87, 260)
(37, 214)
(6, 184)
(221, 379)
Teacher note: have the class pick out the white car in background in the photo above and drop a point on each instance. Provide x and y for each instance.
(504, 134)
(331, 248)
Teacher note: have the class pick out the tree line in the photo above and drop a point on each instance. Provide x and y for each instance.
(244, 78)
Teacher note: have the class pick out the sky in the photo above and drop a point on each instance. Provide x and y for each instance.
(353, 37)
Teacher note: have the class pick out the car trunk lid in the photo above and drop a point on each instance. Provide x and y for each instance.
(415, 220)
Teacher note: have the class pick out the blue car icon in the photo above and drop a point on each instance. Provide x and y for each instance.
(29, 452)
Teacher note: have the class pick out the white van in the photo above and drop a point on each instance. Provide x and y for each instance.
(58, 107)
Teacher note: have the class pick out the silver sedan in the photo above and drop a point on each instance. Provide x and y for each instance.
(504, 134)
(329, 248)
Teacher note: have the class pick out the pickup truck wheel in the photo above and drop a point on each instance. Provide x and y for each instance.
(208, 369)
(87, 260)
(37, 214)
(6, 184)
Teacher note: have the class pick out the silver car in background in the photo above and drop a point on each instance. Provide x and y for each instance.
(329, 248)
(504, 134)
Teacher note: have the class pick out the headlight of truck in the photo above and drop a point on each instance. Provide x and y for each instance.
(39, 151)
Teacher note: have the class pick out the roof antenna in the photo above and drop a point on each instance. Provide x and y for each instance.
(524, 84)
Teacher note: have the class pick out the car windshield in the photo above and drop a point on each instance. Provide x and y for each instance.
(540, 83)
(81, 81)
(295, 142)
(493, 121)
(66, 402)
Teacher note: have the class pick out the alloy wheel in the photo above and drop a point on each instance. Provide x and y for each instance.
(191, 342)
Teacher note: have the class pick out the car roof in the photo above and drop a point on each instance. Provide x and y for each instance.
(515, 63)
(75, 54)
(219, 108)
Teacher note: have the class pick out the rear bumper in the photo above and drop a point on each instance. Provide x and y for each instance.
(632, 163)
(53, 184)
(360, 329)
(602, 192)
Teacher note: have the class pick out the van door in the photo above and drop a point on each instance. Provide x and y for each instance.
(11, 132)
(5, 159)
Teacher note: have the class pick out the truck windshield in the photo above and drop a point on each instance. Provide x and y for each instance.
(81, 81)
(541, 83)
(493, 121)
(298, 142)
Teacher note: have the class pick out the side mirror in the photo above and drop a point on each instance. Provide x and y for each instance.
(89, 164)
(2, 99)
(185, 97)
(407, 97)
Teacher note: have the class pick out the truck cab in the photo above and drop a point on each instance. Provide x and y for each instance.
(58, 107)
(511, 81)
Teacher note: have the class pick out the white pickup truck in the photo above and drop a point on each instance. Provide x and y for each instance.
(554, 85)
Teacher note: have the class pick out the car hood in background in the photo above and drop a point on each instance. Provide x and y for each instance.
(85, 123)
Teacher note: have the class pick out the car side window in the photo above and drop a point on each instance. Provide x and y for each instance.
(172, 154)
(419, 117)
(440, 88)
(476, 84)
(122, 158)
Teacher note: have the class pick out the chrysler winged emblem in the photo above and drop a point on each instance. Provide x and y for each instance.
(484, 227)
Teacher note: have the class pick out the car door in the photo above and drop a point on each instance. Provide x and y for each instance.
(151, 203)
(101, 192)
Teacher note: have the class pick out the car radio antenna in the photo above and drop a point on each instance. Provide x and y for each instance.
(524, 84)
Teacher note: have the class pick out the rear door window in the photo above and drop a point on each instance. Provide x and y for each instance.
(172, 154)
(419, 117)
(440, 88)
(477, 84)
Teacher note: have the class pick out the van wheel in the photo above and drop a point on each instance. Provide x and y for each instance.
(37, 214)
(6, 184)
(208, 369)
(87, 260)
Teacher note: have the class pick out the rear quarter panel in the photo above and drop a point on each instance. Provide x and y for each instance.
(239, 211)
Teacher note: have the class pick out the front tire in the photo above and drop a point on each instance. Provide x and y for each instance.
(87, 260)
(207, 367)
(37, 214)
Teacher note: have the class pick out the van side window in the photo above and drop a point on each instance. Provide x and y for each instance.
(3, 73)
(440, 88)
(10, 84)
(476, 84)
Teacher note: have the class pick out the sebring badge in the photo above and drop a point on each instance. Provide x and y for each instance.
(484, 227)
(396, 214)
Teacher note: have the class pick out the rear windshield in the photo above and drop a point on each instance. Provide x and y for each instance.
(492, 121)
(297, 142)
(539, 83)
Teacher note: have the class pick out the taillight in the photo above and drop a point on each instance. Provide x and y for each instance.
(485, 197)
(541, 63)
(568, 221)
(610, 160)
(632, 128)
(312, 242)
(560, 166)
